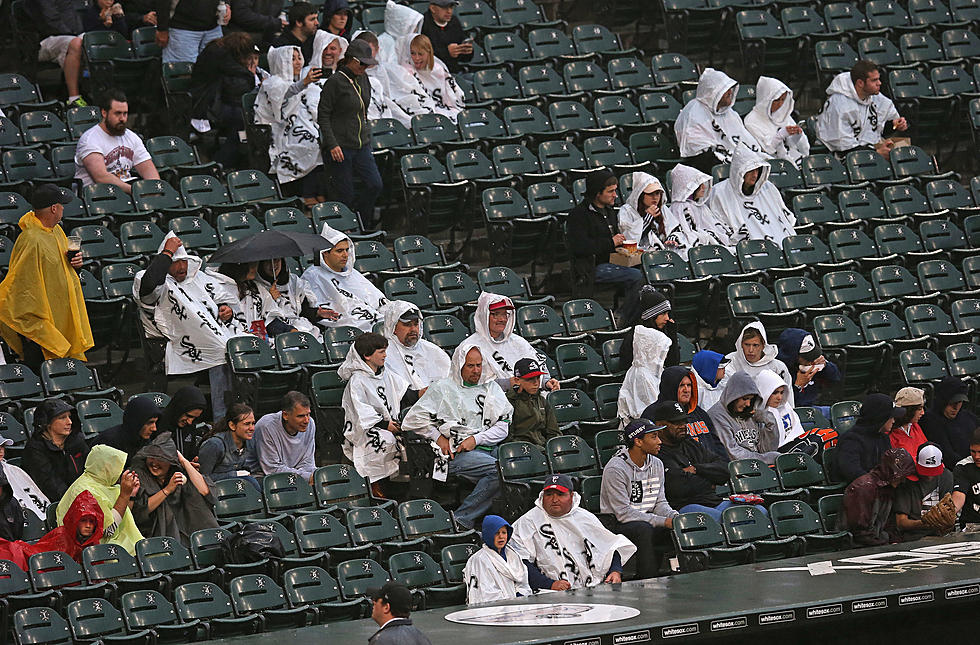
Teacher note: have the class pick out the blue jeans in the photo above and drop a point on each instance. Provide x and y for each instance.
(220, 377)
(480, 467)
(715, 512)
(185, 45)
(631, 279)
(341, 181)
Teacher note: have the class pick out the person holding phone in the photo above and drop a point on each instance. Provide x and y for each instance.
(451, 44)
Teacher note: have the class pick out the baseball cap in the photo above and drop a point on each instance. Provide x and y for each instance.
(361, 51)
(503, 303)
(410, 315)
(638, 428)
(959, 397)
(444, 3)
(559, 482)
(910, 396)
(809, 349)
(48, 195)
(669, 411)
(395, 594)
(527, 368)
(929, 460)
(6, 441)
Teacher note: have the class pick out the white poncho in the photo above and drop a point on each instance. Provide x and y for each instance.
(256, 304)
(320, 42)
(848, 122)
(759, 215)
(25, 490)
(575, 547)
(491, 577)
(359, 303)
(421, 364)
(292, 297)
(457, 410)
(186, 314)
(767, 362)
(400, 21)
(295, 149)
(769, 128)
(500, 354)
(641, 386)
(785, 417)
(370, 401)
(699, 222)
(445, 96)
(642, 227)
(702, 126)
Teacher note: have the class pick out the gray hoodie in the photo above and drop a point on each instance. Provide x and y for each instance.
(632, 493)
(753, 438)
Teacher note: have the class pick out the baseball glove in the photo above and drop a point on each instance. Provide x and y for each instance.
(941, 518)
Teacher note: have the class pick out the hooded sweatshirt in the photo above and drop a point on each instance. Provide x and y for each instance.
(769, 128)
(860, 448)
(290, 108)
(754, 437)
(42, 296)
(103, 467)
(493, 574)
(634, 493)
(575, 547)
(761, 214)
(502, 353)
(185, 312)
(955, 435)
(641, 384)
(705, 364)
(868, 500)
(181, 512)
(400, 21)
(847, 122)
(359, 303)
(702, 126)
(700, 223)
(370, 401)
(699, 425)
(64, 538)
(419, 365)
(183, 401)
(785, 418)
(459, 410)
(644, 228)
(789, 353)
(126, 436)
(767, 362)
(685, 487)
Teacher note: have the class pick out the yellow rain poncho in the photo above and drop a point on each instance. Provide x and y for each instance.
(41, 296)
(103, 467)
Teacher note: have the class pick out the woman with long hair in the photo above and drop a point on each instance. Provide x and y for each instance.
(229, 450)
(434, 76)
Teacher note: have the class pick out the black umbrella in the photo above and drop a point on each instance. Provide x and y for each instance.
(268, 245)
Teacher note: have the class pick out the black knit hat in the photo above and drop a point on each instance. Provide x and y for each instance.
(596, 182)
(652, 303)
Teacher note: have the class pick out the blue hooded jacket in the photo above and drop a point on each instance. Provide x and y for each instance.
(705, 363)
(789, 353)
(492, 524)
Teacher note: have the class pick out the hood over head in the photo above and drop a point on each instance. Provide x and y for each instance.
(595, 182)
(641, 181)
(193, 262)
(402, 20)
(335, 237)
(138, 411)
(685, 181)
(320, 42)
(330, 7)
(768, 351)
(84, 506)
(789, 346)
(105, 464)
(741, 384)
(47, 411)
(459, 359)
(492, 524)
(395, 310)
(183, 401)
(895, 466)
(768, 382)
(705, 363)
(842, 84)
(354, 363)
(481, 320)
(743, 161)
(281, 61)
(162, 447)
(945, 390)
(712, 86)
(875, 410)
(670, 380)
(768, 90)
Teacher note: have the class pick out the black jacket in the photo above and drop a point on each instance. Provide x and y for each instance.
(442, 37)
(54, 469)
(590, 233)
(126, 436)
(953, 435)
(92, 22)
(218, 79)
(287, 38)
(859, 450)
(685, 488)
(192, 15)
(399, 631)
(54, 17)
(342, 115)
(256, 16)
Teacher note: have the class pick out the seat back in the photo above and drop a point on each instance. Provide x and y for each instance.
(415, 569)
(162, 555)
(518, 460)
(418, 517)
(367, 525)
(697, 531)
(40, 626)
(751, 476)
(798, 470)
(255, 593)
(745, 524)
(146, 610)
(309, 586)
(108, 562)
(287, 493)
(54, 569)
(202, 601)
(317, 532)
(794, 517)
(571, 455)
(356, 577)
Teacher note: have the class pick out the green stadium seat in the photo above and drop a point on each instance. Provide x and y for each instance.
(209, 603)
(747, 525)
(794, 518)
(259, 596)
(313, 587)
(701, 544)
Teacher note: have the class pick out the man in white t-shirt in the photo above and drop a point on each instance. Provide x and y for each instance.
(109, 152)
